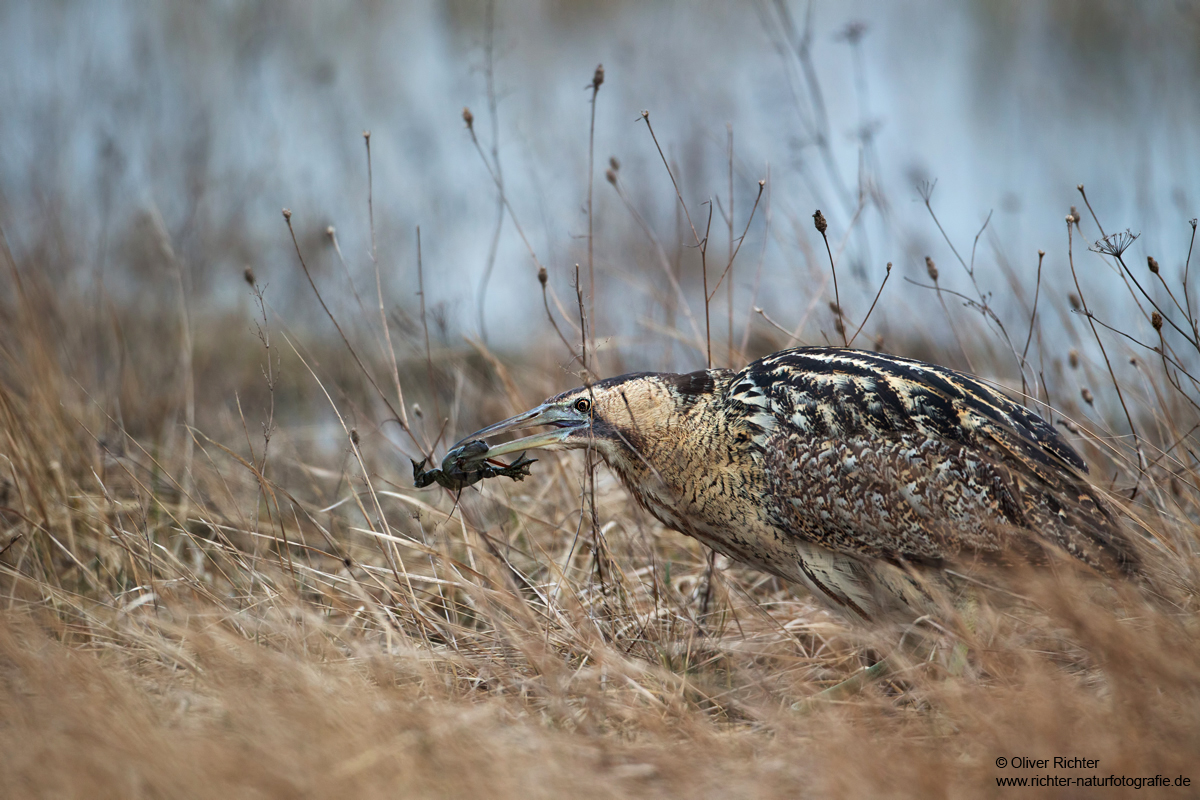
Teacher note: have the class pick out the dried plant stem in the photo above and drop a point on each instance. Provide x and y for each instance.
(1187, 295)
(703, 245)
(735, 250)
(1033, 314)
(387, 334)
(762, 254)
(926, 194)
(1111, 374)
(392, 556)
(1088, 203)
(425, 328)
(287, 215)
(887, 275)
(589, 486)
(597, 80)
(549, 315)
(512, 214)
(732, 251)
(841, 316)
(663, 261)
(331, 232)
(792, 335)
(801, 46)
(707, 296)
(494, 117)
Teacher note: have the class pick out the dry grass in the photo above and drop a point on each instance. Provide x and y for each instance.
(265, 607)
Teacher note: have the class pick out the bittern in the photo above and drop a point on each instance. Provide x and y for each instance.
(861, 475)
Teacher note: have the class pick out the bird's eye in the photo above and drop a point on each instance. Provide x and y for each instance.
(582, 405)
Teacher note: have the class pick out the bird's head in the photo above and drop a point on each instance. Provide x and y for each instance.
(617, 417)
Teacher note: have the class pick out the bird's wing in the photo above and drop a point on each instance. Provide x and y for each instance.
(894, 458)
(837, 393)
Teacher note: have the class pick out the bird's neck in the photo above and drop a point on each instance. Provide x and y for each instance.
(686, 464)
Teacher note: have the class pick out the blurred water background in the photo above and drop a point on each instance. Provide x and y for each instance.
(135, 133)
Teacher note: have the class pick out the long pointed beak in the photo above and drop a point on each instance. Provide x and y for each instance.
(565, 421)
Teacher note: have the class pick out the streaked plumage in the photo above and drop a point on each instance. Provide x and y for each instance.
(859, 474)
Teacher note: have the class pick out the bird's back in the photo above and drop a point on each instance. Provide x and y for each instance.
(893, 459)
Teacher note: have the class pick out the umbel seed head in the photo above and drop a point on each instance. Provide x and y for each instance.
(819, 221)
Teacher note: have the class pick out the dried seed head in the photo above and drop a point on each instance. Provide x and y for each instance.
(1075, 215)
(598, 77)
(1080, 187)
(1086, 394)
(1073, 358)
(287, 213)
(931, 268)
(1156, 320)
(889, 267)
(542, 276)
(819, 221)
(354, 436)
(1070, 219)
(1150, 262)
(248, 274)
(839, 326)
(611, 175)
(1041, 253)
(645, 114)
(330, 232)
(1073, 299)
(1115, 243)
(417, 411)
(468, 118)
(613, 163)
(837, 311)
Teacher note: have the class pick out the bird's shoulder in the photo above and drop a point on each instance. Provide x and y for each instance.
(830, 393)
